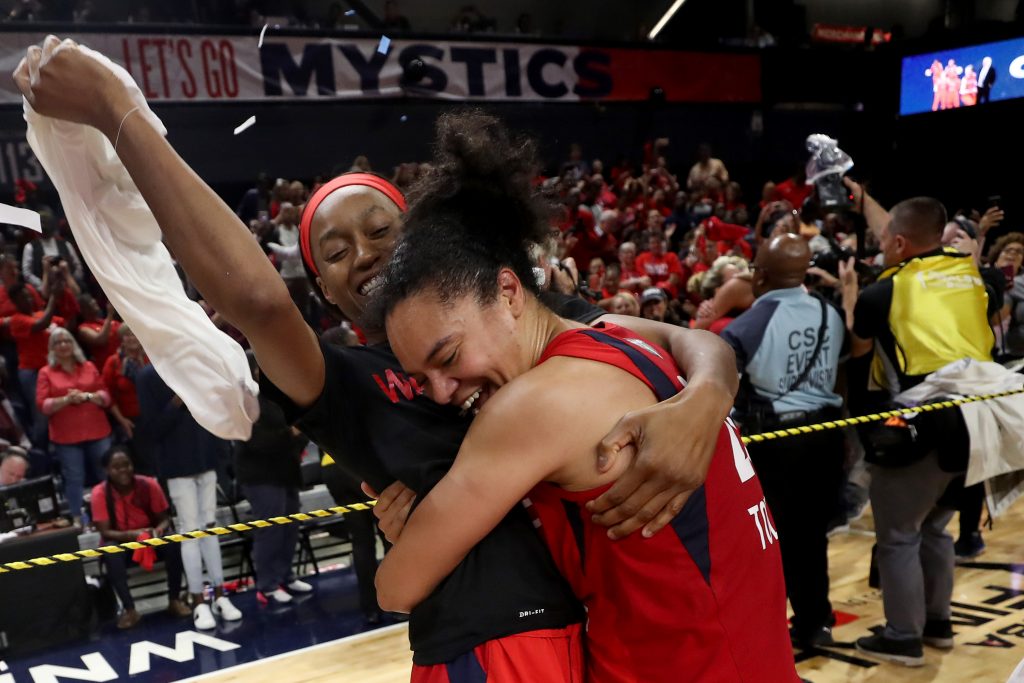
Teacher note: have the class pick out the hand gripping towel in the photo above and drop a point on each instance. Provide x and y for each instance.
(120, 240)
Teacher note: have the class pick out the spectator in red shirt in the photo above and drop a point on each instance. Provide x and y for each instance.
(611, 281)
(57, 281)
(30, 329)
(9, 276)
(98, 335)
(632, 277)
(119, 379)
(128, 507)
(71, 393)
(585, 241)
(794, 190)
(662, 267)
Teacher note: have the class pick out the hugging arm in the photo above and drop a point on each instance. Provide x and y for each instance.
(675, 439)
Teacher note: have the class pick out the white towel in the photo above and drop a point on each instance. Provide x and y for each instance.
(120, 240)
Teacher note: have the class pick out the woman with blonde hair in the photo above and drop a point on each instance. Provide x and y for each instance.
(71, 394)
(727, 292)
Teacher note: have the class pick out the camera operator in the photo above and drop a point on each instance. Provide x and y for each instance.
(788, 346)
(928, 309)
(49, 243)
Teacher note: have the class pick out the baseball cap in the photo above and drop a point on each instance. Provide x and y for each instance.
(652, 294)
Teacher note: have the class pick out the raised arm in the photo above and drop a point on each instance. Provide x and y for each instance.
(675, 439)
(43, 322)
(207, 238)
(875, 214)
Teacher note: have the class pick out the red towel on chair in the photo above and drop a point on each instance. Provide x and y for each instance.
(145, 557)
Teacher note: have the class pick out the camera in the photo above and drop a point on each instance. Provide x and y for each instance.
(829, 261)
(832, 193)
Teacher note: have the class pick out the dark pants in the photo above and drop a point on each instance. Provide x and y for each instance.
(972, 500)
(801, 476)
(37, 429)
(362, 529)
(273, 548)
(117, 572)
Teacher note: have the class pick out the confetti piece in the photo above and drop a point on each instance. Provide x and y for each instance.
(263, 32)
(350, 13)
(248, 123)
(23, 217)
(403, 118)
(384, 44)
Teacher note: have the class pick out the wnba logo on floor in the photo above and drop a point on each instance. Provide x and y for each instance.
(95, 666)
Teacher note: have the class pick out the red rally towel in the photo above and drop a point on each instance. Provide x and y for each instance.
(145, 557)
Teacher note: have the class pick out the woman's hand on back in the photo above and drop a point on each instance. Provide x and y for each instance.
(674, 444)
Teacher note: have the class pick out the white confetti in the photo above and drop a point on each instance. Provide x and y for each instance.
(383, 45)
(248, 123)
(403, 118)
(23, 217)
(263, 32)
(350, 13)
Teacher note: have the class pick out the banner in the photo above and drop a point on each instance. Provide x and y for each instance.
(851, 35)
(195, 68)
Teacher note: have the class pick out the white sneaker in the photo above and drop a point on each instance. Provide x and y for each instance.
(223, 608)
(280, 596)
(297, 586)
(202, 617)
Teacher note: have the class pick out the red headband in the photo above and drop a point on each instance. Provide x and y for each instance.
(365, 179)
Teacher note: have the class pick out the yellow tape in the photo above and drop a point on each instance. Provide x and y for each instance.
(182, 537)
(875, 417)
(345, 509)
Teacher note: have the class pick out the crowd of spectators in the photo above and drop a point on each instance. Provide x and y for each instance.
(658, 239)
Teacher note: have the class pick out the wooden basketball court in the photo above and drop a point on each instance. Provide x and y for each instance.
(988, 619)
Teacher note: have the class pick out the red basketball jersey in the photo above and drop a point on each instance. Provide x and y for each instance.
(704, 599)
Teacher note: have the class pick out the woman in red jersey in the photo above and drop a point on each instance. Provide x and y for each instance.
(703, 600)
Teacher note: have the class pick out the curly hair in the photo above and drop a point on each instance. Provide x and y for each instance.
(715, 276)
(474, 212)
(1002, 243)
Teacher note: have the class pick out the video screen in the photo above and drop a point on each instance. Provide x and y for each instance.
(962, 77)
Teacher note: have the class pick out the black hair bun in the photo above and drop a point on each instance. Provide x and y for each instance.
(482, 179)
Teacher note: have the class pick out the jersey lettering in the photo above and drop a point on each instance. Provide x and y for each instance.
(397, 382)
(763, 522)
(744, 468)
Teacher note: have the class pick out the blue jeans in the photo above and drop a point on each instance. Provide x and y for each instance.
(74, 459)
(37, 429)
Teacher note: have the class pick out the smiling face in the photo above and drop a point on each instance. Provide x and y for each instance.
(462, 350)
(120, 470)
(352, 236)
(63, 347)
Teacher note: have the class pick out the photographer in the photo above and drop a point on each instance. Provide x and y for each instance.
(59, 285)
(787, 348)
(49, 244)
(928, 309)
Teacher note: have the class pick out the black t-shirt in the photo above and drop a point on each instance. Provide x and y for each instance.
(272, 455)
(371, 419)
